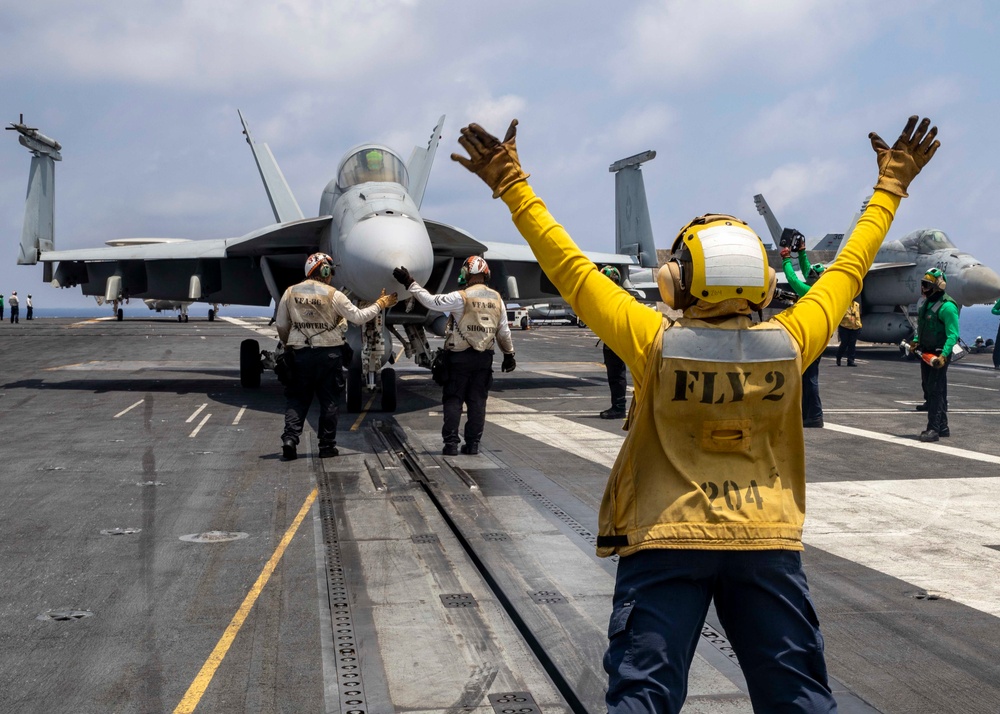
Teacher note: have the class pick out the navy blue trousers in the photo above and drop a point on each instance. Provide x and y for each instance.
(848, 344)
(812, 407)
(996, 347)
(469, 380)
(617, 380)
(762, 599)
(935, 385)
(315, 372)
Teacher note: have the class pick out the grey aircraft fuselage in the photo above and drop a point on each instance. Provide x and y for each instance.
(376, 225)
(891, 288)
(369, 223)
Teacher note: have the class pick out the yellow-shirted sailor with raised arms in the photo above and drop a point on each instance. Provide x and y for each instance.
(707, 497)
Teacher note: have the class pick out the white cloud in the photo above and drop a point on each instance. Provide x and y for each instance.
(225, 45)
(647, 125)
(494, 113)
(685, 42)
(790, 184)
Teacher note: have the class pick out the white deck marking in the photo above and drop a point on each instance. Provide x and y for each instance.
(913, 444)
(239, 415)
(972, 386)
(200, 425)
(589, 442)
(266, 330)
(928, 532)
(931, 533)
(128, 409)
(560, 375)
(196, 413)
(914, 412)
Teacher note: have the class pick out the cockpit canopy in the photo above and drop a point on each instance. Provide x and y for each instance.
(372, 163)
(927, 241)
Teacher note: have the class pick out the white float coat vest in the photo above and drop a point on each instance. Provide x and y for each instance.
(480, 319)
(714, 457)
(313, 315)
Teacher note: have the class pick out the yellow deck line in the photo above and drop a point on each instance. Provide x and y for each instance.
(204, 678)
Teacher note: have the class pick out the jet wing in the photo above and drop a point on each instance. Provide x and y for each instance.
(522, 253)
(454, 242)
(890, 266)
(450, 241)
(295, 237)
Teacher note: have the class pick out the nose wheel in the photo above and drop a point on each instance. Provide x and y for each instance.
(388, 389)
(250, 367)
(355, 380)
(355, 388)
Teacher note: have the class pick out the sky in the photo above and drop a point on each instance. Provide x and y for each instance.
(737, 98)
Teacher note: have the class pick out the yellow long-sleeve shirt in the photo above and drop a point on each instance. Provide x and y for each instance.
(706, 429)
(628, 327)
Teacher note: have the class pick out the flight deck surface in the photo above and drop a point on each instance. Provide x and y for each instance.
(159, 556)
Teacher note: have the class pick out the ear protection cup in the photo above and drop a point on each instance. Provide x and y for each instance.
(463, 276)
(325, 271)
(669, 278)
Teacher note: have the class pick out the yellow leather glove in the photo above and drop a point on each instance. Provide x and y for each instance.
(493, 161)
(386, 301)
(911, 152)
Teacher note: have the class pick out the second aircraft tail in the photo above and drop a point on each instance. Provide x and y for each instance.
(38, 233)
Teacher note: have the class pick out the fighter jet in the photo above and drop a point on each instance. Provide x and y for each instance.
(369, 222)
(892, 287)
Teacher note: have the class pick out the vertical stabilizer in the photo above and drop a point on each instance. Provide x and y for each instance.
(38, 233)
(772, 223)
(421, 160)
(283, 203)
(854, 223)
(633, 231)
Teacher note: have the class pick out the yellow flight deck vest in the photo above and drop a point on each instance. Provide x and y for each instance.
(714, 457)
(852, 318)
(315, 320)
(478, 327)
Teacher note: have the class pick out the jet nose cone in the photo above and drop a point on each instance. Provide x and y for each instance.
(979, 285)
(377, 245)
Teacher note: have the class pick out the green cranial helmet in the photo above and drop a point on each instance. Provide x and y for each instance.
(613, 273)
(935, 278)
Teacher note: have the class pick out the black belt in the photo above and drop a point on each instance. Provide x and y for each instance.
(612, 541)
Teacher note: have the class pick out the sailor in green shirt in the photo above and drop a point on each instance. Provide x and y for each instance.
(996, 348)
(812, 406)
(937, 334)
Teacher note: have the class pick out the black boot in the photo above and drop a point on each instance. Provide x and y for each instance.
(288, 450)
